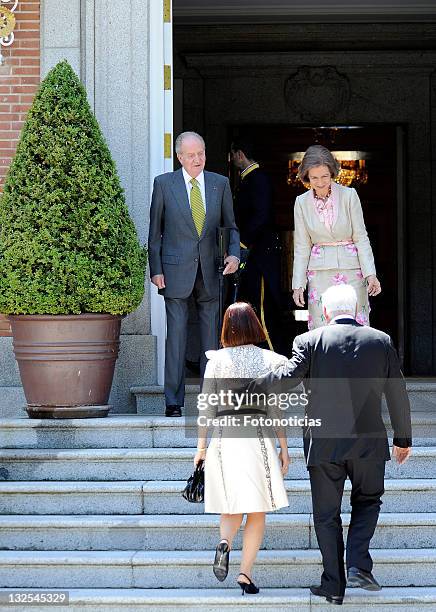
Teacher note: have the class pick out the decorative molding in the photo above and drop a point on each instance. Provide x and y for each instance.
(166, 11)
(279, 64)
(7, 22)
(295, 35)
(167, 146)
(317, 92)
(167, 77)
(309, 8)
(160, 122)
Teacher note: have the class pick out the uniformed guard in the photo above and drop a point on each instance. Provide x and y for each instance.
(259, 276)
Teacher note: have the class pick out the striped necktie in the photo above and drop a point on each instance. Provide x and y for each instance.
(197, 206)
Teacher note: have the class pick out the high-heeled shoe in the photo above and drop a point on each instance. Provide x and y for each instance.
(221, 562)
(247, 587)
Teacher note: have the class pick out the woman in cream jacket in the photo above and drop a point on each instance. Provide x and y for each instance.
(331, 245)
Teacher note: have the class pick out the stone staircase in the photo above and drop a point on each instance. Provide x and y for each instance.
(93, 507)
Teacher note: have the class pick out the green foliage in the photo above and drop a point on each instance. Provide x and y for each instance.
(67, 243)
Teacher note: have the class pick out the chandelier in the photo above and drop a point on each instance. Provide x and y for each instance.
(353, 168)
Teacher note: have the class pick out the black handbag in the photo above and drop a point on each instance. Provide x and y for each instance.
(194, 490)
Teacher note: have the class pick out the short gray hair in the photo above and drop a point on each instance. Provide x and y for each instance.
(340, 299)
(315, 156)
(183, 136)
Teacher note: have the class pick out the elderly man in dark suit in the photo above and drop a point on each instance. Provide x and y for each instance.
(347, 367)
(187, 207)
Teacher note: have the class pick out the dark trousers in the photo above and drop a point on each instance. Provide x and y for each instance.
(250, 288)
(177, 332)
(327, 484)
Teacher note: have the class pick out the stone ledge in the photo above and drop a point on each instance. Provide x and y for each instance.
(163, 497)
(412, 599)
(155, 464)
(193, 532)
(181, 569)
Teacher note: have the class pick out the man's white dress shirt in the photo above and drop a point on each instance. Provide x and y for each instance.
(200, 179)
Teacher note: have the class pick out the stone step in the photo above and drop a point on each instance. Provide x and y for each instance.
(144, 431)
(417, 495)
(156, 464)
(422, 393)
(113, 431)
(179, 569)
(12, 402)
(150, 398)
(410, 599)
(164, 497)
(192, 532)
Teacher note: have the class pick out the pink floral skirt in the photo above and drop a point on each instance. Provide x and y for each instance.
(320, 280)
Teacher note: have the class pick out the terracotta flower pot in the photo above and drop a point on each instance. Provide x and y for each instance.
(66, 362)
(5, 326)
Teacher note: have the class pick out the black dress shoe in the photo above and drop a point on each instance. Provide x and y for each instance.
(221, 562)
(173, 411)
(333, 599)
(359, 578)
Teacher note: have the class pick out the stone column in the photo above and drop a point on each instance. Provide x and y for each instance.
(121, 89)
(60, 34)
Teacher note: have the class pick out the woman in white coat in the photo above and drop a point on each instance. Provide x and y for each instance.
(331, 244)
(243, 471)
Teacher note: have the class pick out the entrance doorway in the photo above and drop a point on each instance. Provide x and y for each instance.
(236, 76)
(382, 200)
(275, 145)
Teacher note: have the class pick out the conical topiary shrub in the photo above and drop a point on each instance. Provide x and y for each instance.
(67, 243)
(70, 260)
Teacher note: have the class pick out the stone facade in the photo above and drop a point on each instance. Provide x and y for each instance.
(385, 73)
(19, 79)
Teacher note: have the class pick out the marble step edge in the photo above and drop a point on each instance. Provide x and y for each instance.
(417, 385)
(189, 521)
(164, 454)
(191, 558)
(217, 599)
(140, 421)
(20, 487)
(412, 384)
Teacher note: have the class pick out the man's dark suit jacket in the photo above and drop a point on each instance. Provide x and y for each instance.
(347, 367)
(174, 247)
